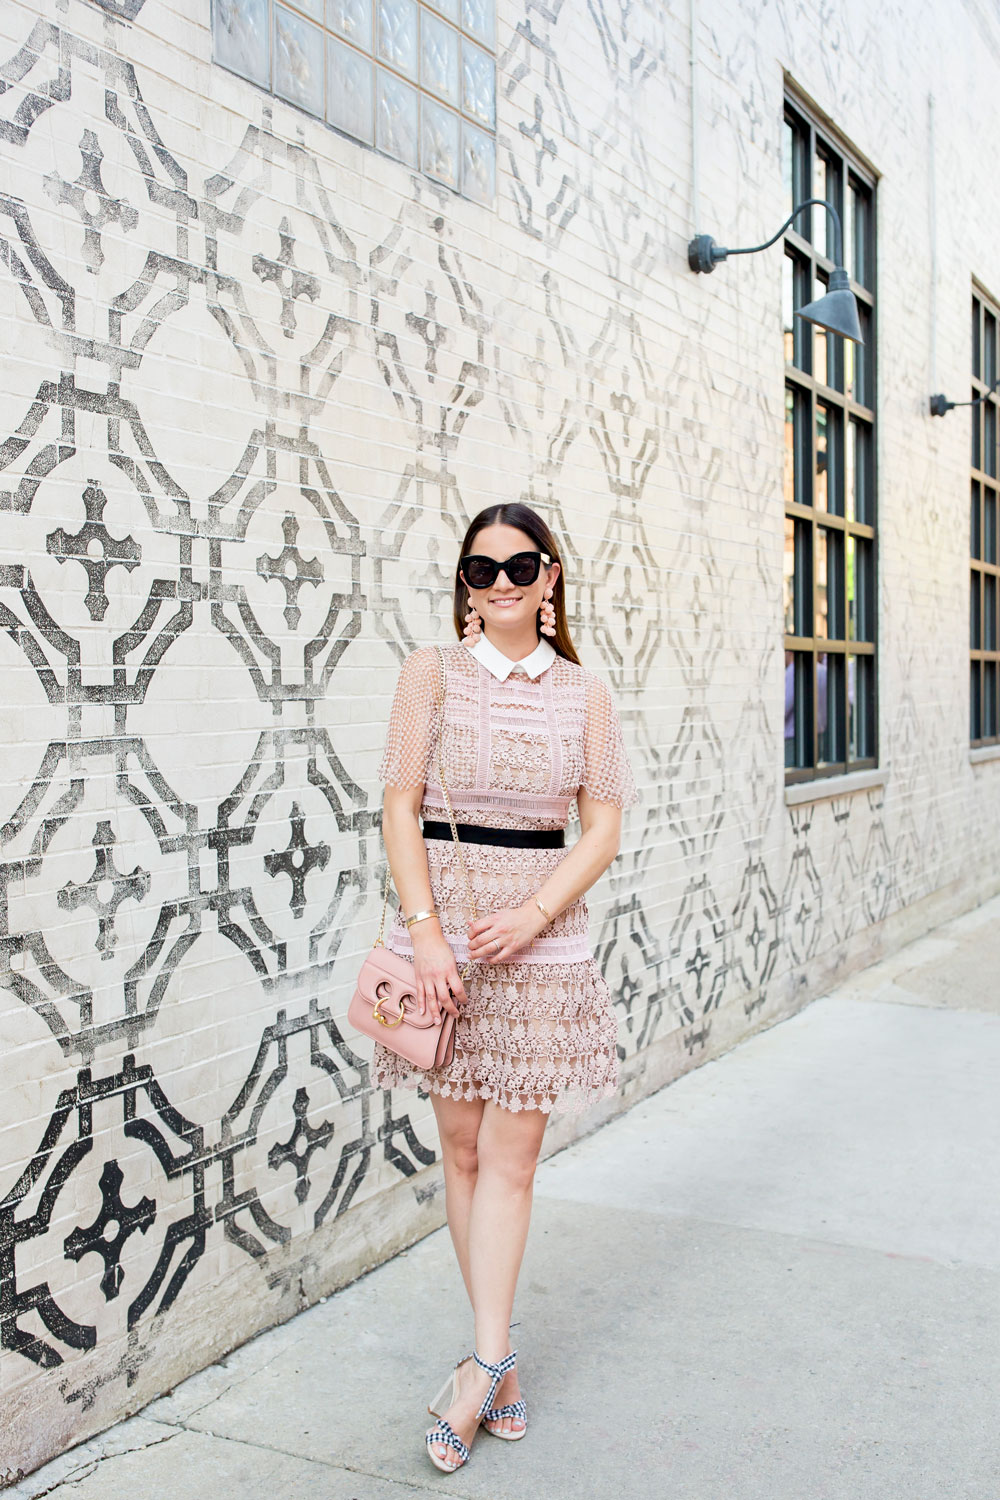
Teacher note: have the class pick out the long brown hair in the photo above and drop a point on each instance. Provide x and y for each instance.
(530, 522)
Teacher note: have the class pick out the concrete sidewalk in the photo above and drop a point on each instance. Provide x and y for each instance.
(779, 1279)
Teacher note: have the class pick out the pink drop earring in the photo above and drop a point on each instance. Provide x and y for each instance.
(473, 624)
(547, 611)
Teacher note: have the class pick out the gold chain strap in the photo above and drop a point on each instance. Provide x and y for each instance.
(451, 820)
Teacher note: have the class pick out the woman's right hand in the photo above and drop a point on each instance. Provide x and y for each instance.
(438, 984)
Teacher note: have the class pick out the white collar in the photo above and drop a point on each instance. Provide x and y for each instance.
(494, 661)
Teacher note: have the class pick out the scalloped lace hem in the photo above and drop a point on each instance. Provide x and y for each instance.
(572, 1099)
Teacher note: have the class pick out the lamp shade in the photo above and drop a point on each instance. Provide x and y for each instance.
(837, 311)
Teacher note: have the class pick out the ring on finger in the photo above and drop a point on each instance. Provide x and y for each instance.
(496, 945)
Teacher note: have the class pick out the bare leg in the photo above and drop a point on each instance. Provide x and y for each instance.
(458, 1122)
(497, 1228)
(498, 1223)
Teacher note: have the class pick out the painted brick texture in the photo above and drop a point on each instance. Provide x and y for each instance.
(256, 380)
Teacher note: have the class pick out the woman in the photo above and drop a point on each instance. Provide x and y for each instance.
(523, 731)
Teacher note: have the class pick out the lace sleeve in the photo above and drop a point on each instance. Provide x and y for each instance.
(607, 774)
(412, 721)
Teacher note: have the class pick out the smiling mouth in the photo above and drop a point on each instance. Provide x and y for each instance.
(505, 599)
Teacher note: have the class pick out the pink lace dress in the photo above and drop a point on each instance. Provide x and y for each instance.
(538, 1032)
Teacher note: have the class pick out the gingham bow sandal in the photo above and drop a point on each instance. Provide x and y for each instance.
(516, 1410)
(444, 1435)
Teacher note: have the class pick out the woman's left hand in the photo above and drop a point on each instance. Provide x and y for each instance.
(495, 938)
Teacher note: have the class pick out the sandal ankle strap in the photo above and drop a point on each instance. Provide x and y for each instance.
(496, 1373)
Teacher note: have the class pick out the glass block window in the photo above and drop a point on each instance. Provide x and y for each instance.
(984, 595)
(830, 589)
(413, 78)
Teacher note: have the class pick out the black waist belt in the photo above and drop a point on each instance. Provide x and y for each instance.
(510, 838)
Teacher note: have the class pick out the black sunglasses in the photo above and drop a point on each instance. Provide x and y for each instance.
(521, 568)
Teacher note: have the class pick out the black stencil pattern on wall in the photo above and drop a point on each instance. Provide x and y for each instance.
(132, 887)
(134, 1097)
(128, 557)
(110, 1231)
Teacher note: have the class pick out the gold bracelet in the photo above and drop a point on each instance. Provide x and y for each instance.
(546, 914)
(420, 916)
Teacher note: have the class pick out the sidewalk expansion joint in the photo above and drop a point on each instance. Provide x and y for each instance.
(325, 1463)
(91, 1465)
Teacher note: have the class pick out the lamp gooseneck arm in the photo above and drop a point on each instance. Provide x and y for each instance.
(806, 202)
(941, 406)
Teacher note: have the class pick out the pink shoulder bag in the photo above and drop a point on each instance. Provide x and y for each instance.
(384, 1003)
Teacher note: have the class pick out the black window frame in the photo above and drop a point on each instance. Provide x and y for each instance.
(984, 556)
(830, 438)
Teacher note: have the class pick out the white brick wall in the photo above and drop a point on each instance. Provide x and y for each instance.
(179, 720)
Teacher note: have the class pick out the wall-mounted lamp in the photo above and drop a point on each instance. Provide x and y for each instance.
(941, 406)
(836, 311)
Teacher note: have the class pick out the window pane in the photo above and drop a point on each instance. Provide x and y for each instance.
(856, 382)
(439, 63)
(989, 612)
(822, 369)
(830, 716)
(397, 35)
(478, 84)
(835, 621)
(795, 168)
(821, 624)
(975, 703)
(860, 572)
(298, 61)
(859, 254)
(977, 435)
(798, 709)
(478, 18)
(821, 479)
(974, 540)
(822, 235)
(861, 707)
(852, 374)
(349, 91)
(351, 19)
(479, 164)
(795, 410)
(976, 346)
(990, 439)
(396, 118)
(975, 611)
(989, 349)
(828, 485)
(990, 526)
(858, 485)
(797, 570)
(989, 704)
(240, 33)
(439, 149)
